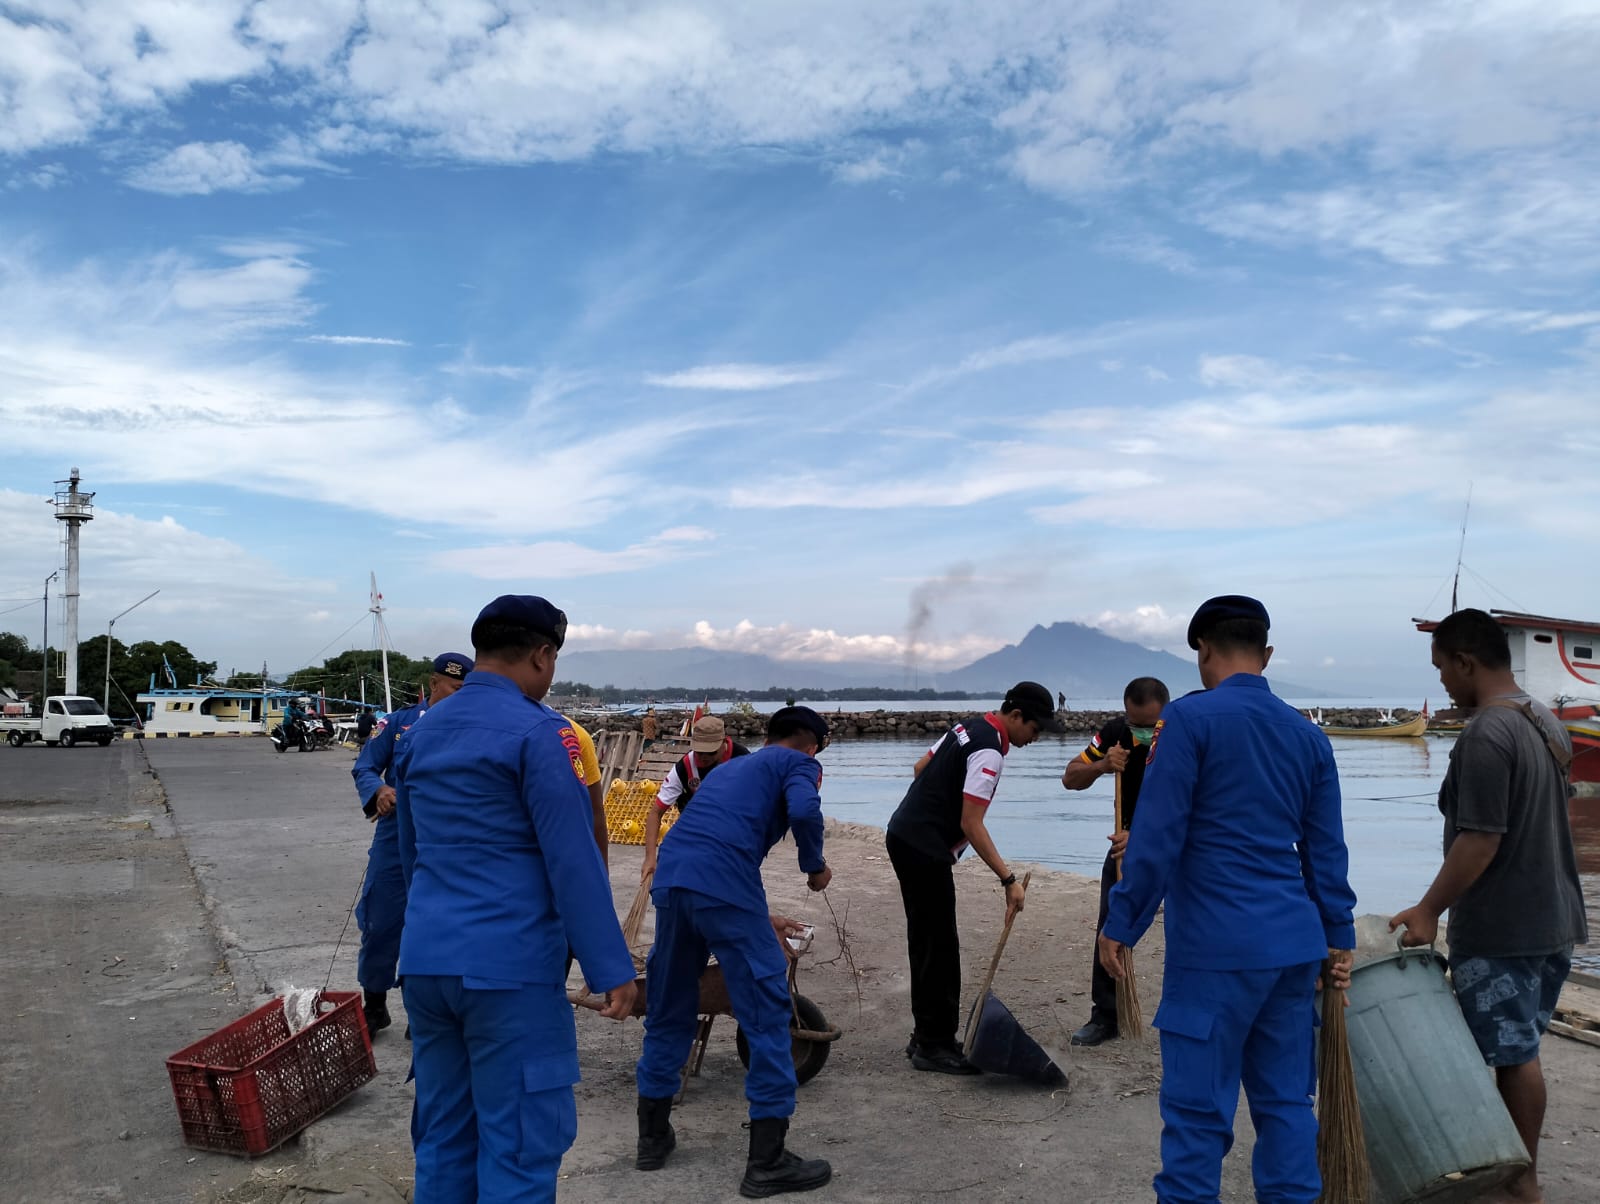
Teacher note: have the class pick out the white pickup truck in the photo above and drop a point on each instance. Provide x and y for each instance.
(67, 720)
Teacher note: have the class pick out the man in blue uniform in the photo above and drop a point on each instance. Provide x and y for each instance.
(503, 875)
(1240, 832)
(709, 899)
(381, 910)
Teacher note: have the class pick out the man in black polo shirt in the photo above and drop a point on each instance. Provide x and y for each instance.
(939, 817)
(1121, 746)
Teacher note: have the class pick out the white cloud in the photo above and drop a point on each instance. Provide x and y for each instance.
(354, 340)
(201, 168)
(563, 559)
(789, 642)
(44, 178)
(1149, 625)
(266, 291)
(881, 163)
(741, 377)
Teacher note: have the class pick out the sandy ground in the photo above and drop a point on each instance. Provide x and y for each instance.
(231, 871)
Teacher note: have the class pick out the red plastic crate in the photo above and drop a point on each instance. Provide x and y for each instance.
(251, 1086)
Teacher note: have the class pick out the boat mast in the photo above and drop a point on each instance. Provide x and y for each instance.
(1455, 585)
(380, 631)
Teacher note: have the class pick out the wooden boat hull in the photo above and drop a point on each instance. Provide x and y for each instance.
(1411, 727)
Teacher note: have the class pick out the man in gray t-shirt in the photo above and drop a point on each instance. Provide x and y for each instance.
(1503, 778)
(1510, 875)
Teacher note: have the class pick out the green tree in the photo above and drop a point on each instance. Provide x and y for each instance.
(19, 664)
(132, 667)
(342, 677)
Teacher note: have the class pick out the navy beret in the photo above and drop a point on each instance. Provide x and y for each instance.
(1226, 606)
(804, 717)
(526, 610)
(452, 664)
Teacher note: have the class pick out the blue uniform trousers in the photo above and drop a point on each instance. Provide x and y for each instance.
(494, 1070)
(1220, 1028)
(690, 925)
(381, 911)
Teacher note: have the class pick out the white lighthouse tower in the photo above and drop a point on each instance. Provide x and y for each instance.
(73, 507)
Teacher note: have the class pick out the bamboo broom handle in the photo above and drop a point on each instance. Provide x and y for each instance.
(1118, 806)
(988, 979)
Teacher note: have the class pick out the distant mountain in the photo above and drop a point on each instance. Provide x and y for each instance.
(1078, 661)
(1084, 662)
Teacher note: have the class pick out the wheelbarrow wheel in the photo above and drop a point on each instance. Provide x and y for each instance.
(809, 1056)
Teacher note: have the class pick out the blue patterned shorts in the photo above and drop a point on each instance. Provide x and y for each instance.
(1508, 1000)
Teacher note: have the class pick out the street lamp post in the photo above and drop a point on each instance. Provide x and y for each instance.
(44, 649)
(109, 626)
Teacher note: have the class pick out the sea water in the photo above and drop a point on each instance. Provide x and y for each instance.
(1391, 814)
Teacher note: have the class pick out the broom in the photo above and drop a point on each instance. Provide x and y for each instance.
(635, 918)
(1341, 1144)
(1130, 1020)
(988, 979)
(630, 925)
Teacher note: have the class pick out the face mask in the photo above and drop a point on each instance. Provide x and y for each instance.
(1143, 735)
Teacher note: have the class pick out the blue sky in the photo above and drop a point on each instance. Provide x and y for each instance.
(733, 324)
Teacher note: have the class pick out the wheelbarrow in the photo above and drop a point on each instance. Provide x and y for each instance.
(811, 1037)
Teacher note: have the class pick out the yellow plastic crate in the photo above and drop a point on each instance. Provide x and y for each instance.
(627, 806)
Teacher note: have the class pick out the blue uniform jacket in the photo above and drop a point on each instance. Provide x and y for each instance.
(374, 765)
(739, 813)
(497, 845)
(1240, 831)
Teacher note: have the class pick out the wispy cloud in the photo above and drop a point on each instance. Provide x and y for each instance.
(201, 168)
(355, 340)
(741, 377)
(789, 642)
(563, 559)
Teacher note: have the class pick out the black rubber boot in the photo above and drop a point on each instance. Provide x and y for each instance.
(376, 1005)
(772, 1169)
(656, 1138)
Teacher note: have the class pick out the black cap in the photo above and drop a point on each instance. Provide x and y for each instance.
(1036, 703)
(452, 664)
(1219, 609)
(526, 610)
(801, 717)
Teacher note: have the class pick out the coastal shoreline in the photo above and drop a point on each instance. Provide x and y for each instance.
(889, 724)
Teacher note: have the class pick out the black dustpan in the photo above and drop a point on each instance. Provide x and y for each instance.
(996, 1043)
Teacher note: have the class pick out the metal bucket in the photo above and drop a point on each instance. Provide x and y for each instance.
(1436, 1127)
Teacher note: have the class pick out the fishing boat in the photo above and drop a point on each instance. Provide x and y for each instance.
(1554, 661)
(1415, 726)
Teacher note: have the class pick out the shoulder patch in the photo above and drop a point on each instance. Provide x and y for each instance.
(1155, 738)
(380, 725)
(962, 738)
(569, 741)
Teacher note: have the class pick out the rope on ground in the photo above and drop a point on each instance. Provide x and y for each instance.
(1010, 1120)
(336, 944)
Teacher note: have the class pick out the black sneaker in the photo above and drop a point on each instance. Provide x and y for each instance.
(942, 1059)
(1094, 1033)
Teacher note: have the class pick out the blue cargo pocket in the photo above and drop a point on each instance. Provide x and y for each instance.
(1188, 1063)
(549, 1108)
(775, 1011)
